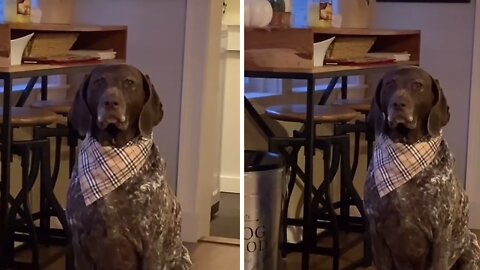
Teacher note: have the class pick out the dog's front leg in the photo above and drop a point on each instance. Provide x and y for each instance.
(440, 254)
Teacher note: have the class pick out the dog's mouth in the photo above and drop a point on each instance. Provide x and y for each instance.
(112, 123)
(401, 121)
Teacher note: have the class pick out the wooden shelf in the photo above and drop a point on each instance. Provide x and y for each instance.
(327, 71)
(64, 27)
(30, 70)
(364, 32)
(91, 37)
(292, 48)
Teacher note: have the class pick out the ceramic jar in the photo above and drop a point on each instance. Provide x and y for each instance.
(257, 13)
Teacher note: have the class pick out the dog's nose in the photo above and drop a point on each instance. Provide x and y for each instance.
(111, 102)
(398, 105)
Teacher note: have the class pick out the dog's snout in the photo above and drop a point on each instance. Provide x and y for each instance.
(400, 101)
(111, 100)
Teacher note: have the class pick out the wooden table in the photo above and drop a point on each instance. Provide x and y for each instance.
(310, 75)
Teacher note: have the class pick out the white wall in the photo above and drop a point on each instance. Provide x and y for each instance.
(446, 52)
(156, 34)
(230, 155)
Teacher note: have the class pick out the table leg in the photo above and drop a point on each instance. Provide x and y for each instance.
(26, 93)
(44, 88)
(6, 246)
(344, 87)
(328, 91)
(308, 236)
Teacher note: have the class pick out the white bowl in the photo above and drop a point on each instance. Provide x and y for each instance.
(17, 46)
(319, 51)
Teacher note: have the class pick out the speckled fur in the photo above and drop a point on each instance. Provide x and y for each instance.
(424, 223)
(137, 226)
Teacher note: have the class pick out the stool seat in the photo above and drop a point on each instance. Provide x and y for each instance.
(321, 113)
(27, 117)
(358, 104)
(60, 106)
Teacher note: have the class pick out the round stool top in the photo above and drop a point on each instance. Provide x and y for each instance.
(321, 113)
(358, 104)
(60, 106)
(27, 117)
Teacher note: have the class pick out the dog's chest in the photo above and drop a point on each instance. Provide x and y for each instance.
(432, 197)
(142, 204)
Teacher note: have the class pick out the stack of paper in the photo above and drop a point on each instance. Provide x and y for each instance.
(102, 55)
(397, 56)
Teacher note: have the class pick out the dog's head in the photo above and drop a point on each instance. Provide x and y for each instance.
(115, 104)
(408, 105)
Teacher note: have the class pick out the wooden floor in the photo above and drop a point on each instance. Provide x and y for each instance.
(294, 260)
(205, 256)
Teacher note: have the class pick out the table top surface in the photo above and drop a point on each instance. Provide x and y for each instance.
(324, 71)
(63, 27)
(29, 70)
(342, 31)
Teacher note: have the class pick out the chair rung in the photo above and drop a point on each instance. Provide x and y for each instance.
(299, 247)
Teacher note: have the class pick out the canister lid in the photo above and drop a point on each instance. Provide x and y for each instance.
(262, 161)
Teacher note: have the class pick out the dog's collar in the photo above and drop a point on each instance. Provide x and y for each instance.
(394, 164)
(101, 169)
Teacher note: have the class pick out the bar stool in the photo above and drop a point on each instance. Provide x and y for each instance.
(61, 107)
(23, 229)
(336, 154)
(361, 105)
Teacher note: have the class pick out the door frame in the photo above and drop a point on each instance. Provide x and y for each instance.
(473, 152)
(200, 130)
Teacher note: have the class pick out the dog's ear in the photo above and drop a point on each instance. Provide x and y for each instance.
(440, 112)
(80, 117)
(152, 112)
(376, 116)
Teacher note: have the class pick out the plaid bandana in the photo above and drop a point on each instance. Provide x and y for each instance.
(101, 169)
(396, 163)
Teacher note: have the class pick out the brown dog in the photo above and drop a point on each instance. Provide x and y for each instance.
(120, 210)
(416, 209)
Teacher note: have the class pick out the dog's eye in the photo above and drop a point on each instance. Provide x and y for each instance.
(417, 86)
(390, 84)
(129, 84)
(99, 83)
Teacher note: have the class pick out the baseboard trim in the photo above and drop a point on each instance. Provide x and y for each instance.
(220, 240)
(230, 184)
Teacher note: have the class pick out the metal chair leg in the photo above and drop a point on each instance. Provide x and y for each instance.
(22, 199)
(293, 161)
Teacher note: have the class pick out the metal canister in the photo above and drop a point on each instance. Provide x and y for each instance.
(264, 190)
